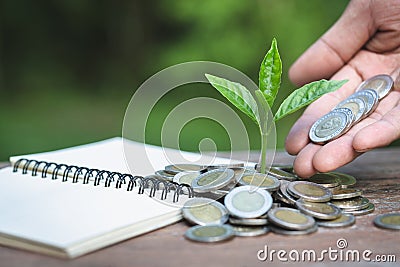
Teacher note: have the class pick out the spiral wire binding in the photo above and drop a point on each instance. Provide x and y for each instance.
(103, 175)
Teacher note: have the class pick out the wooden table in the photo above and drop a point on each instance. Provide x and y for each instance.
(378, 175)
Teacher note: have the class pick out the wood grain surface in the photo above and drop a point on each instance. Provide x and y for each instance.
(377, 173)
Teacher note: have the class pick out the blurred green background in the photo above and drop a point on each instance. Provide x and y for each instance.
(69, 68)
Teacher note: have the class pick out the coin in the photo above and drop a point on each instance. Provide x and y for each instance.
(260, 180)
(388, 221)
(212, 180)
(248, 201)
(164, 175)
(287, 198)
(204, 211)
(284, 167)
(331, 126)
(351, 204)
(382, 84)
(291, 219)
(371, 99)
(282, 174)
(309, 191)
(210, 233)
(185, 177)
(345, 179)
(356, 105)
(248, 221)
(225, 166)
(238, 172)
(250, 230)
(344, 193)
(281, 231)
(322, 211)
(176, 168)
(325, 179)
(343, 221)
(369, 209)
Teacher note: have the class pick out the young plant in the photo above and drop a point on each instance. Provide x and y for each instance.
(269, 84)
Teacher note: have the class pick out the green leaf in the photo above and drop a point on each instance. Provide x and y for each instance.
(238, 95)
(269, 79)
(264, 106)
(305, 95)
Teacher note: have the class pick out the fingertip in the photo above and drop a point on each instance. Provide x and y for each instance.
(303, 163)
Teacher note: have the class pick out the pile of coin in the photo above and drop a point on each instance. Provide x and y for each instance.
(234, 200)
(351, 110)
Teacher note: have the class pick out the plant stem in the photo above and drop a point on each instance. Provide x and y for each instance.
(263, 152)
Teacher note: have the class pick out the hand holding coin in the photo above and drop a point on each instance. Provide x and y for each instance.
(364, 42)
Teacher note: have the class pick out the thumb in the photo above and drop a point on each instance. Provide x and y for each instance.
(337, 46)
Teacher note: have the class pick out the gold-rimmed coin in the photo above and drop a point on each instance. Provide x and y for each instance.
(388, 221)
(263, 181)
(325, 179)
(204, 211)
(364, 211)
(351, 204)
(225, 166)
(250, 230)
(343, 221)
(309, 191)
(291, 219)
(345, 193)
(210, 233)
(322, 211)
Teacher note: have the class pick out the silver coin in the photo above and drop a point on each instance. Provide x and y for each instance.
(351, 204)
(322, 211)
(388, 221)
(263, 181)
(343, 221)
(204, 211)
(250, 230)
(288, 199)
(291, 219)
(326, 179)
(248, 201)
(281, 231)
(371, 99)
(164, 175)
(282, 174)
(309, 191)
(210, 233)
(331, 126)
(382, 84)
(212, 180)
(185, 177)
(344, 193)
(345, 179)
(225, 166)
(248, 221)
(176, 168)
(357, 106)
(367, 210)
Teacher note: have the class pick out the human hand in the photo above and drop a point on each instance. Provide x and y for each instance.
(364, 42)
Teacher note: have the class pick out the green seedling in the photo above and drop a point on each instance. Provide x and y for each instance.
(269, 84)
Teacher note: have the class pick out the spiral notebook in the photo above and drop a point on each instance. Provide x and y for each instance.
(73, 201)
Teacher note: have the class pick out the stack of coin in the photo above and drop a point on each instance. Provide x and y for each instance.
(277, 201)
(351, 110)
